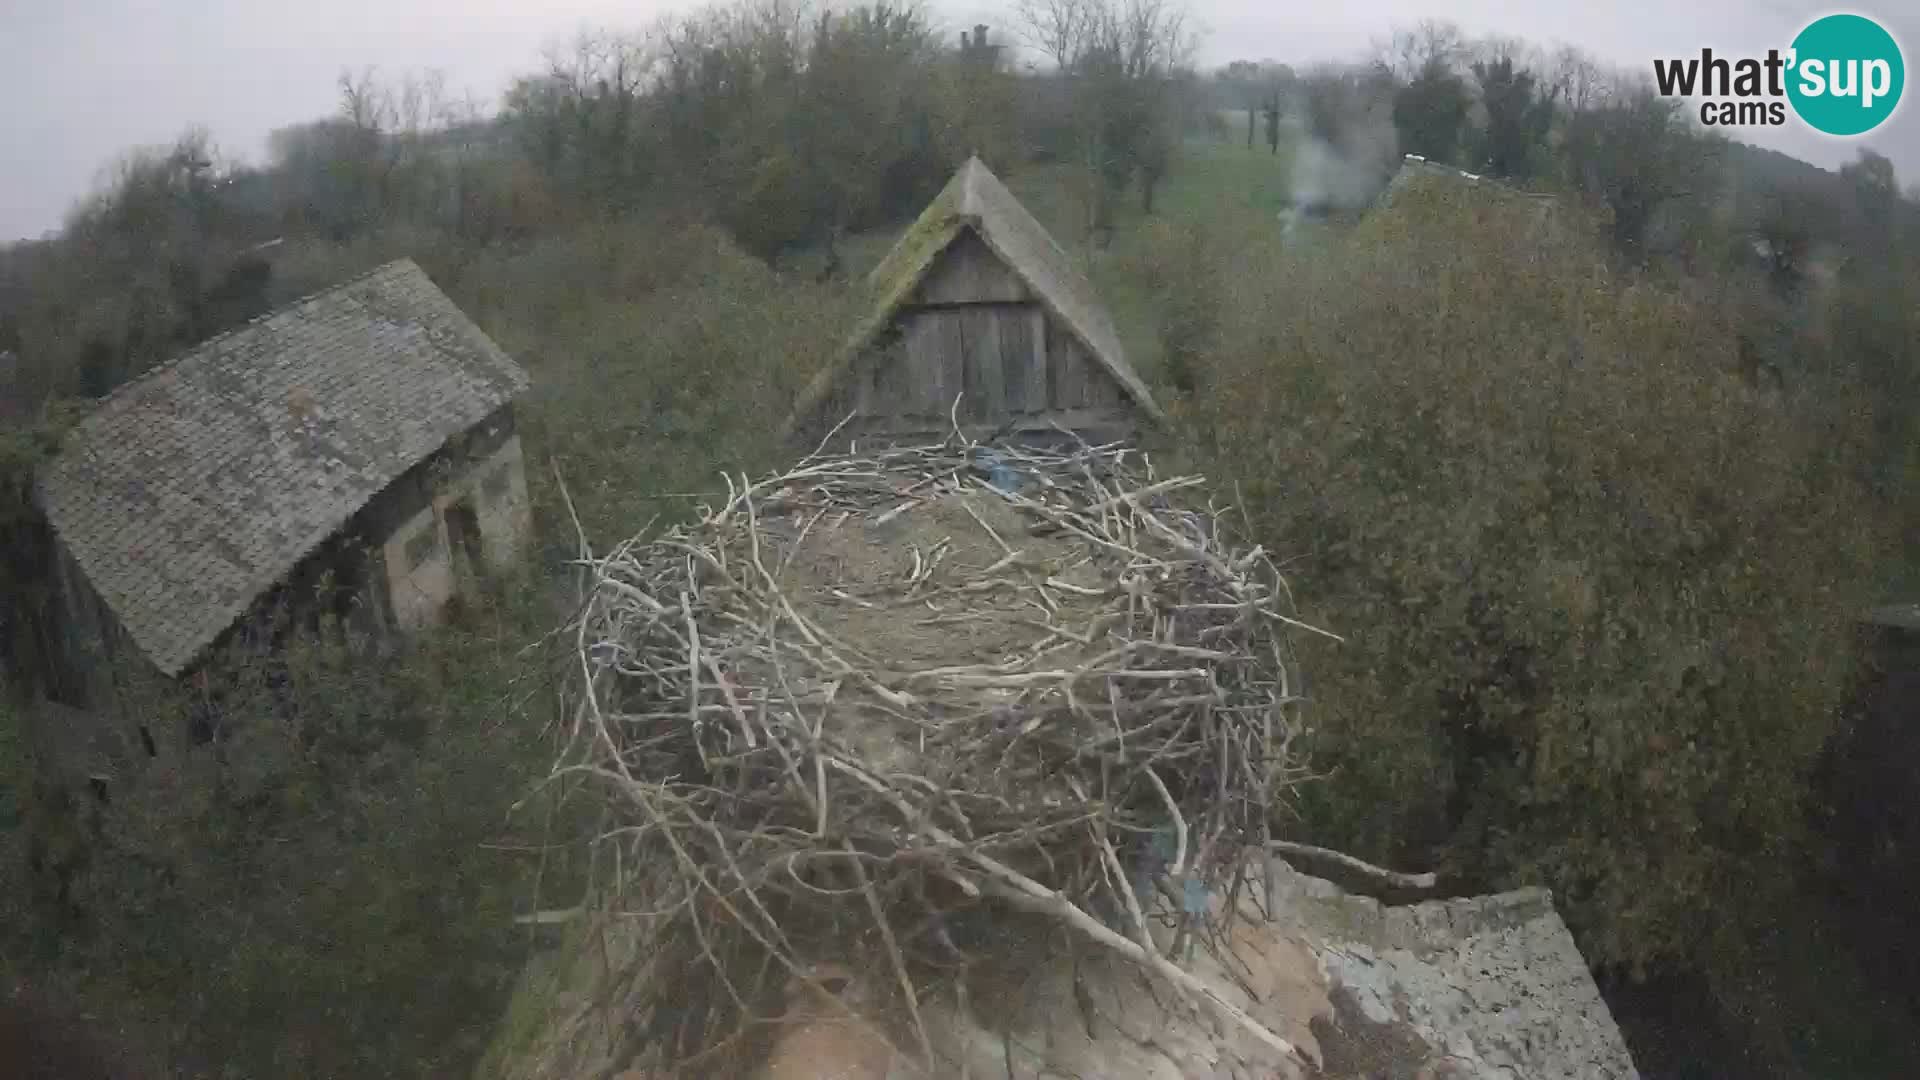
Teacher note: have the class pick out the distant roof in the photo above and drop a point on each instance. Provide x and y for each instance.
(976, 199)
(1413, 165)
(191, 491)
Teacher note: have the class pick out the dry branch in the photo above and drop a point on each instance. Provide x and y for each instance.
(1378, 875)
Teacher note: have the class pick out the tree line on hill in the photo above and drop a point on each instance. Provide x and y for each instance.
(1794, 254)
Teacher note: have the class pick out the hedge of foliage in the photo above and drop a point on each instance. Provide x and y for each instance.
(1596, 587)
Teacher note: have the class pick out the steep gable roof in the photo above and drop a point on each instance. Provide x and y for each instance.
(976, 199)
(191, 491)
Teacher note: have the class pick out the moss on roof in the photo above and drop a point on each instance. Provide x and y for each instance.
(976, 199)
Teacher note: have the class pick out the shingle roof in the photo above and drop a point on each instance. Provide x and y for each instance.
(976, 199)
(193, 490)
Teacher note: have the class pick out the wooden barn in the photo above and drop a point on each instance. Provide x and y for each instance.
(978, 305)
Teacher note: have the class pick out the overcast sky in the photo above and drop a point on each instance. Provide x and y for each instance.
(83, 80)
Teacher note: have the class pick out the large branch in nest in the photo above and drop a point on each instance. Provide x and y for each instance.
(1038, 898)
(1024, 892)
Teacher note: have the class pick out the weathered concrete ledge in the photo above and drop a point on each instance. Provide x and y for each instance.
(1493, 986)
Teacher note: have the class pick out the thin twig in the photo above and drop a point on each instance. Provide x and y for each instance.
(899, 962)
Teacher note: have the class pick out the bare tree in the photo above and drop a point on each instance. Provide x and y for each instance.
(1578, 79)
(365, 102)
(1409, 50)
(580, 118)
(1153, 36)
(1501, 49)
(387, 124)
(1636, 152)
(1061, 30)
(1121, 61)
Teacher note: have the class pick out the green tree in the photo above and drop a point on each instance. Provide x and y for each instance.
(1431, 111)
(1520, 112)
(28, 641)
(1635, 153)
(791, 131)
(1878, 218)
(582, 120)
(1596, 599)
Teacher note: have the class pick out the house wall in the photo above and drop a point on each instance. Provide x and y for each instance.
(419, 569)
(483, 472)
(497, 485)
(973, 330)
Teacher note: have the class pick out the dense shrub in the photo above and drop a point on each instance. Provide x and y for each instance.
(319, 890)
(1594, 587)
(661, 357)
(1179, 263)
(26, 588)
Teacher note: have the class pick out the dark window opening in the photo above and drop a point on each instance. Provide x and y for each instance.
(463, 535)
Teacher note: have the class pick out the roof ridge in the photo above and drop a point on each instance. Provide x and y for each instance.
(275, 312)
(970, 186)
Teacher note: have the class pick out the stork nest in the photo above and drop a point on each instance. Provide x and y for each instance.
(866, 702)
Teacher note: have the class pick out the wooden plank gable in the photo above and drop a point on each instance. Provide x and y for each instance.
(973, 329)
(968, 272)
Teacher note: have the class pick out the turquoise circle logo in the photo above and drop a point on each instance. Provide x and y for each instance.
(1847, 74)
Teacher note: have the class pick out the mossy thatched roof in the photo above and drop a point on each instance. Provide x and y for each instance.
(976, 199)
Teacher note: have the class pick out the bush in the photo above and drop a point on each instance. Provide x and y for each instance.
(1179, 264)
(1595, 589)
(319, 891)
(661, 356)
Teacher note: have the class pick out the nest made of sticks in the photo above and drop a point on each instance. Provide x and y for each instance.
(865, 703)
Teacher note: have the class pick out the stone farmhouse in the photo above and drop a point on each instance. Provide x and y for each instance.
(352, 454)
